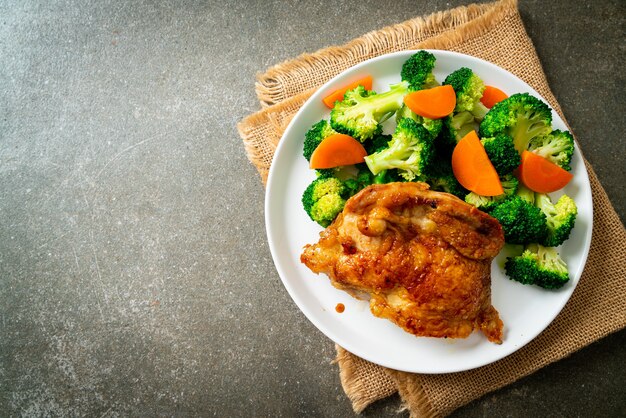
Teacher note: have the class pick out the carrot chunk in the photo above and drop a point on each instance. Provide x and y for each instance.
(491, 96)
(472, 167)
(541, 175)
(337, 150)
(434, 103)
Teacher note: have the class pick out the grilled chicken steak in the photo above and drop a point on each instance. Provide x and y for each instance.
(424, 257)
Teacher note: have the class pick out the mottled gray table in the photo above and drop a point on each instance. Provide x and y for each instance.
(135, 278)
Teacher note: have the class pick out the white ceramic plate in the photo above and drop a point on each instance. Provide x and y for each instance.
(525, 310)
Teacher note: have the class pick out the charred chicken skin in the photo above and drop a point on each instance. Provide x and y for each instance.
(423, 257)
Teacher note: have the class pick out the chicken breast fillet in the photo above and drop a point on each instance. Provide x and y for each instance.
(423, 257)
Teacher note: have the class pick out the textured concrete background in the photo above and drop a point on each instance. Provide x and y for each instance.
(135, 278)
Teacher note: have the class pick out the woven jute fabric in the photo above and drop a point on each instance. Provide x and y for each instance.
(494, 32)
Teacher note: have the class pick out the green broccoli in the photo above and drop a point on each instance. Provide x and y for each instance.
(487, 203)
(376, 143)
(433, 126)
(557, 146)
(521, 116)
(318, 132)
(387, 176)
(328, 172)
(441, 178)
(410, 150)
(418, 71)
(454, 128)
(361, 112)
(342, 173)
(521, 221)
(560, 217)
(469, 89)
(324, 198)
(525, 193)
(538, 265)
(502, 153)
(362, 180)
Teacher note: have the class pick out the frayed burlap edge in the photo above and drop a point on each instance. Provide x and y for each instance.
(362, 381)
(414, 398)
(276, 84)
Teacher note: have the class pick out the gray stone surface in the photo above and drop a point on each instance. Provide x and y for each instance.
(135, 278)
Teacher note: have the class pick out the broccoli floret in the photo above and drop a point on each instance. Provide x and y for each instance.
(510, 184)
(318, 132)
(342, 173)
(362, 180)
(418, 71)
(521, 221)
(469, 89)
(525, 193)
(461, 124)
(433, 126)
(457, 125)
(353, 186)
(410, 150)
(454, 128)
(376, 143)
(447, 184)
(560, 218)
(323, 199)
(487, 203)
(557, 146)
(538, 265)
(327, 172)
(361, 113)
(521, 116)
(502, 153)
(441, 178)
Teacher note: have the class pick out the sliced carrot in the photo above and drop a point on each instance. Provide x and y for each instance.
(337, 150)
(337, 95)
(492, 95)
(541, 175)
(472, 167)
(434, 103)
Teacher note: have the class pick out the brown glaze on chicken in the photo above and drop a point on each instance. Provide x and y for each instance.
(424, 257)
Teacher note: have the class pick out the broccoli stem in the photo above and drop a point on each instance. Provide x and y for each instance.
(381, 178)
(389, 102)
(480, 110)
(526, 129)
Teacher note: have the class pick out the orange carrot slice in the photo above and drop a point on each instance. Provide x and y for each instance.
(492, 95)
(337, 95)
(434, 103)
(472, 167)
(542, 175)
(337, 150)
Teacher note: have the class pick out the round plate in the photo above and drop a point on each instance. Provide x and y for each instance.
(525, 310)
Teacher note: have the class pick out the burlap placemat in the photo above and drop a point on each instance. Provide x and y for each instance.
(493, 32)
